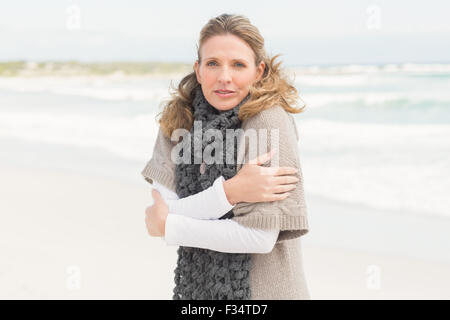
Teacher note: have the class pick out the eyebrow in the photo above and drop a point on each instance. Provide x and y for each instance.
(231, 60)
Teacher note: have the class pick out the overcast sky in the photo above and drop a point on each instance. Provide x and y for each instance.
(305, 32)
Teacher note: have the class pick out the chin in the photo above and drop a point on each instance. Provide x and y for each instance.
(222, 107)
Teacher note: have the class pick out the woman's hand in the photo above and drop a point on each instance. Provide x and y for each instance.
(254, 183)
(156, 215)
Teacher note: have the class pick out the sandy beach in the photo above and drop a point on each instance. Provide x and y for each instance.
(70, 236)
(83, 87)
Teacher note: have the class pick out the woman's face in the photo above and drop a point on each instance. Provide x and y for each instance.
(227, 64)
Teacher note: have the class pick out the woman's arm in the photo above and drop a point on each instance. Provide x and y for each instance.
(210, 203)
(218, 235)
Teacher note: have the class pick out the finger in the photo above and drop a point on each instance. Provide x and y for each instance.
(286, 179)
(279, 196)
(279, 171)
(156, 195)
(263, 158)
(284, 188)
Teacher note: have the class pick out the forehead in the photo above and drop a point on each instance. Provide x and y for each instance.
(226, 47)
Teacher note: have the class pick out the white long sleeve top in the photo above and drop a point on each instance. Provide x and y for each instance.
(193, 222)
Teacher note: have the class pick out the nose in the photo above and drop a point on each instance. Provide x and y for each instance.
(225, 75)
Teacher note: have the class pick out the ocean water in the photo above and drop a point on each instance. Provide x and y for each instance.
(372, 136)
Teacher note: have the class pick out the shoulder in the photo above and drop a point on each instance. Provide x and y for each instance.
(275, 112)
(275, 117)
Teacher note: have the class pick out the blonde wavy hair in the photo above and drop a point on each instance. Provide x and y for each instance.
(272, 89)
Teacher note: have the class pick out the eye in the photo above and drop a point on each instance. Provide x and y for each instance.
(213, 63)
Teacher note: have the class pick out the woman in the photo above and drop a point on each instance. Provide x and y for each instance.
(237, 222)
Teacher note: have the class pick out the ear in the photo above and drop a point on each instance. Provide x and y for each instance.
(197, 71)
(260, 70)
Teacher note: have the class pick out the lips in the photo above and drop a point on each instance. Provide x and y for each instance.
(224, 91)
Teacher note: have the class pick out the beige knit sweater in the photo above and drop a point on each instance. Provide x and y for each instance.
(278, 274)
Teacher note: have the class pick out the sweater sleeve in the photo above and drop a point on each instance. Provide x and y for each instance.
(219, 235)
(211, 203)
(160, 167)
(276, 129)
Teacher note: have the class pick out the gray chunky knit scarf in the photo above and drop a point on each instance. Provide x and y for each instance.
(203, 274)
